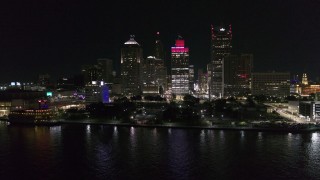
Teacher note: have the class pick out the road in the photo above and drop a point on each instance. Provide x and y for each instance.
(283, 113)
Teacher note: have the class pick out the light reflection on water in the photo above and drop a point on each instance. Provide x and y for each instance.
(90, 151)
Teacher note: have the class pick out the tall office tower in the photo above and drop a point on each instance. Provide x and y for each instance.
(304, 79)
(154, 76)
(191, 78)
(106, 69)
(220, 47)
(91, 73)
(160, 66)
(237, 74)
(161, 76)
(131, 62)
(180, 69)
(158, 49)
(149, 84)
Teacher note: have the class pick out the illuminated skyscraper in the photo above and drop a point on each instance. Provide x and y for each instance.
(154, 72)
(131, 62)
(149, 84)
(220, 47)
(180, 68)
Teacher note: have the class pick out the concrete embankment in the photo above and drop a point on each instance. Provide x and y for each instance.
(215, 127)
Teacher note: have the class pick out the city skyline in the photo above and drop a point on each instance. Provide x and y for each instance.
(58, 38)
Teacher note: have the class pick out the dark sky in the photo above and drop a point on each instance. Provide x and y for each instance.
(58, 36)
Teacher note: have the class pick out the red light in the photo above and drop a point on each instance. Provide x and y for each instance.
(179, 43)
(244, 76)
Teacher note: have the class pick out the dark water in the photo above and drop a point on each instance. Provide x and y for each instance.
(107, 152)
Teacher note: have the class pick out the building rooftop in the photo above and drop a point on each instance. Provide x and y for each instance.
(131, 41)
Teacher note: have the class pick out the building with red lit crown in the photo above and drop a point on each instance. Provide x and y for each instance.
(180, 69)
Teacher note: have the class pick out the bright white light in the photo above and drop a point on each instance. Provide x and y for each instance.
(222, 29)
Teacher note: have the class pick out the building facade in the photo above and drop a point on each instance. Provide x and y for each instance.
(220, 47)
(237, 74)
(149, 81)
(180, 69)
(131, 64)
(271, 83)
(106, 67)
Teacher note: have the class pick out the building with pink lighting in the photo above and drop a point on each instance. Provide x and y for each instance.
(180, 69)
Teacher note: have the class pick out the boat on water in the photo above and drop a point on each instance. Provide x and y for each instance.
(33, 116)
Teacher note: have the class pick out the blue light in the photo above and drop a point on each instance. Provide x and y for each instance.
(105, 94)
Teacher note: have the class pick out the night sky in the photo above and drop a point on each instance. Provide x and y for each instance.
(57, 37)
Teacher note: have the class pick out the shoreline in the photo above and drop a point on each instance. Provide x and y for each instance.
(216, 127)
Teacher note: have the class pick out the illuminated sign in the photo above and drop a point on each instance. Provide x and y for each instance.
(222, 29)
(49, 94)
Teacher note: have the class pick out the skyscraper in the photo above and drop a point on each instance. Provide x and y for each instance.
(180, 68)
(158, 48)
(131, 62)
(149, 84)
(91, 73)
(220, 47)
(106, 69)
(237, 74)
(160, 66)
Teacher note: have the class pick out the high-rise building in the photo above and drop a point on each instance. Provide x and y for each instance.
(91, 73)
(131, 62)
(160, 65)
(271, 83)
(161, 75)
(237, 74)
(180, 69)
(149, 84)
(191, 78)
(158, 48)
(106, 69)
(220, 47)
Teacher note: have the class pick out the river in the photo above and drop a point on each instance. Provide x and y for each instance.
(110, 152)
